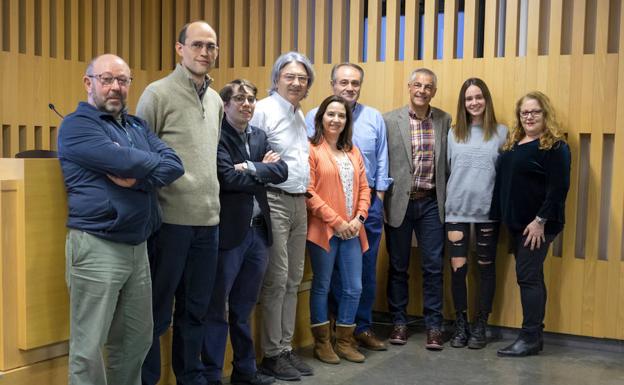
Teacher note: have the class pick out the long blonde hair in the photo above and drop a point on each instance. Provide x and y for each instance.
(552, 129)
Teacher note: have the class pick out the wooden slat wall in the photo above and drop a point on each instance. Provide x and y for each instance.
(44, 52)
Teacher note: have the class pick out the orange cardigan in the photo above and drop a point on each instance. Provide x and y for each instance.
(327, 205)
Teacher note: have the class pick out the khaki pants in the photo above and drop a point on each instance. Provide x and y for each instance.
(111, 308)
(278, 299)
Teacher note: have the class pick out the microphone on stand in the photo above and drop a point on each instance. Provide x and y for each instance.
(51, 106)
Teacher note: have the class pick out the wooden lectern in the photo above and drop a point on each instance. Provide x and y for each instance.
(34, 302)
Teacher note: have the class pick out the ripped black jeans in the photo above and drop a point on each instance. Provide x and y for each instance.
(459, 246)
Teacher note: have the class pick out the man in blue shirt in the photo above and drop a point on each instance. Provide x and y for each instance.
(369, 135)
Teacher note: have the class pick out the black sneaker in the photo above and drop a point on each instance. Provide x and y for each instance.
(297, 363)
(280, 368)
(251, 379)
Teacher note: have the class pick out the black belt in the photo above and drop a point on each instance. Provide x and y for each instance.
(419, 194)
(280, 191)
(257, 222)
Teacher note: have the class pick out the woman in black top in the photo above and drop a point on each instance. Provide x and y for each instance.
(532, 182)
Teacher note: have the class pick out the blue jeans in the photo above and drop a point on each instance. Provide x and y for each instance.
(346, 256)
(423, 219)
(239, 278)
(183, 262)
(373, 227)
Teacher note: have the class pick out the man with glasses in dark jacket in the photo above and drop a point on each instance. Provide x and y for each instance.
(112, 164)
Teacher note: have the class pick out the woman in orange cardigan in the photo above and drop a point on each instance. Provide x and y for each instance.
(337, 206)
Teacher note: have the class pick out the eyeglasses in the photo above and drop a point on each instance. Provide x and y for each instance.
(199, 46)
(303, 79)
(532, 113)
(107, 79)
(240, 99)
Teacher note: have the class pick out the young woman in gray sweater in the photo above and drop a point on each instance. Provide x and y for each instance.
(474, 143)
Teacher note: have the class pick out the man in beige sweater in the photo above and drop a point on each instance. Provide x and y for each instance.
(186, 114)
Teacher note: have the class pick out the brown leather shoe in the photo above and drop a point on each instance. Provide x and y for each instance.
(367, 339)
(434, 339)
(398, 335)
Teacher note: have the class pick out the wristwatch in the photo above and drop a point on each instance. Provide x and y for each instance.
(540, 220)
(361, 218)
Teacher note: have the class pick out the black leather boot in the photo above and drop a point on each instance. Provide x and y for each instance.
(478, 338)
(520, 348)
(460, 336)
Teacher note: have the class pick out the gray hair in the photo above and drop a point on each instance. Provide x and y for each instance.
(283, 61)
(426, 71)
(346, 64)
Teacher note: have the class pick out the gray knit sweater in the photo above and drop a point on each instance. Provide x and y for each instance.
(472, 167)
(191, 127)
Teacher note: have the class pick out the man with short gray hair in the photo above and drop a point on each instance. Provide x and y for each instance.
(417, 135)
(280, 116)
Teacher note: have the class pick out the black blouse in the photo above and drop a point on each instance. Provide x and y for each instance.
(532, 182)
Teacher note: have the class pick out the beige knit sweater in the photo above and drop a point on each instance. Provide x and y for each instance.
(191, 127)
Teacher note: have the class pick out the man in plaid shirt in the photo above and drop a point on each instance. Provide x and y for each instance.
(417, 135)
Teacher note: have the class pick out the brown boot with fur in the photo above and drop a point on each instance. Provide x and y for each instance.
(323, 350)
(345, 344)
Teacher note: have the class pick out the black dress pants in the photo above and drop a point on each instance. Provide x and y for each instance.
(530, 276)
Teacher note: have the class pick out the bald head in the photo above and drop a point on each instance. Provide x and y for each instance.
(105, 60)
(107, 81)
(193, 26)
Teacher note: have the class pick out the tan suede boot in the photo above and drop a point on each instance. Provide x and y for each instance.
(323, 350)
(345, 347)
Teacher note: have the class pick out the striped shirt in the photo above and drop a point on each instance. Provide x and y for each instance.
(423, 152)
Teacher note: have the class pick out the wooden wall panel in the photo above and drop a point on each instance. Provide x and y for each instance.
(470, 24)
(412, 31)
(256, 33)
(450, 26)
(288, 26)
(489, 31)
(356, 30)
(239, 33)
(304, 25)
(374, 28)
(272, 23)
(321, 34)
(617, 209)
(392, 30)
(431, 34)
(339, 32)
(44, 52)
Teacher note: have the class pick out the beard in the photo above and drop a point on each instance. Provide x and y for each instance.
(106, 105)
